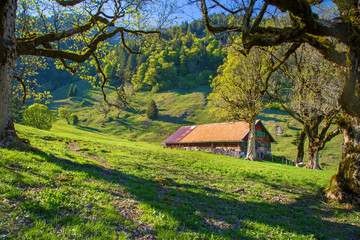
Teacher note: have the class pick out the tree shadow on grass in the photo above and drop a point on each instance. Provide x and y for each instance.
(173, 119)
(265, 118)
(215, 212)
(89, 129)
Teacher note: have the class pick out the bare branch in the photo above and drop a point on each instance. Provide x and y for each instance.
(233, 12)
(69, 2)
(259, 17)
(280, 62)
(81, 57)
(327, 49)
(21, 81)
(213, 29)
(35, 41)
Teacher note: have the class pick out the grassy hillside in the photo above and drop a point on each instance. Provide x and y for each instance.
(88, 185)
(178, 108)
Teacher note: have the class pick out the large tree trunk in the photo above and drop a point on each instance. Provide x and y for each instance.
(313, 158)
(251, 148)
(345, 185)
(300, 149)
(7, 66)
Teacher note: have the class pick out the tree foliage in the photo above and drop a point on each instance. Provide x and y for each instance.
(64, 113)
(39, 116)
(237, 90)
(74, 119)
(312, 97)
(184, 59)
(152, 111)
(72, 91)
(73, 33)
(18, 109)
(326, 33)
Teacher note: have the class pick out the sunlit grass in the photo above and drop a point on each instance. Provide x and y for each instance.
(90, 185)
(176, 108)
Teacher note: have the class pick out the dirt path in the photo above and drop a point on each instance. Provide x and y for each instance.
(75, 148)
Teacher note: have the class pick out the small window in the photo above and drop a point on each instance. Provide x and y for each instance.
(263, 133)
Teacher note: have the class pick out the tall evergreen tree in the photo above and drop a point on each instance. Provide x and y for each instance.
(75, 90)
(152, 111)
(71, 91)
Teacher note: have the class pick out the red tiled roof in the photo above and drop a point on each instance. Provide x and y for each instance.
(216, 132)
(179, 134)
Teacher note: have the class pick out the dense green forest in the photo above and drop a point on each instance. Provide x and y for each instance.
(186, 56)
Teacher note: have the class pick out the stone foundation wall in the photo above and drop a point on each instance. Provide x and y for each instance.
(227, 152)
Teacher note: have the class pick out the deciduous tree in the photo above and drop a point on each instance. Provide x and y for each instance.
(64, 113)
(237, 91)
(311, 97)
(71, 31)
(39, 116)
(306, 26)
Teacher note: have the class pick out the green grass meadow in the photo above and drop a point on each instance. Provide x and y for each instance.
(178, 108)
(82, 184)
(111, 178)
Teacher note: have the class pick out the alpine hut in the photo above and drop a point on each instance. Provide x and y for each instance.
(221, 138)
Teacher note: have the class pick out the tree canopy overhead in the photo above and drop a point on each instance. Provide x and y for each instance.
(70, 31)
(73, 30)
(336, 37)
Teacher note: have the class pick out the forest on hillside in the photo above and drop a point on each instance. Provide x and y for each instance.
(186, 56)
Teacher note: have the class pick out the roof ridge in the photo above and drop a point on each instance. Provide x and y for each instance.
(257, 120)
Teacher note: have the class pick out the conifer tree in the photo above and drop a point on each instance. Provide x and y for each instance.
(75, 90)
(152, 111)
(70, 92)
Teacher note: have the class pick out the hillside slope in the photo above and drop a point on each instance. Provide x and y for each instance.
(82, 184)
(179, 108)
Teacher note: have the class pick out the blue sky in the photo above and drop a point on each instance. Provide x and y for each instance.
(192, 12)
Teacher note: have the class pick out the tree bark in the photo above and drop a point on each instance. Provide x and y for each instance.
(251, 149)
(300, 149)
(313, 158)
(345, 185)
(7, 66)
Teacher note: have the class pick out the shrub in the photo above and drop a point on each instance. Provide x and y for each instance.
(75, 119)
(39, 116)
(274, 106)
(64, 113)
(152, 111)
